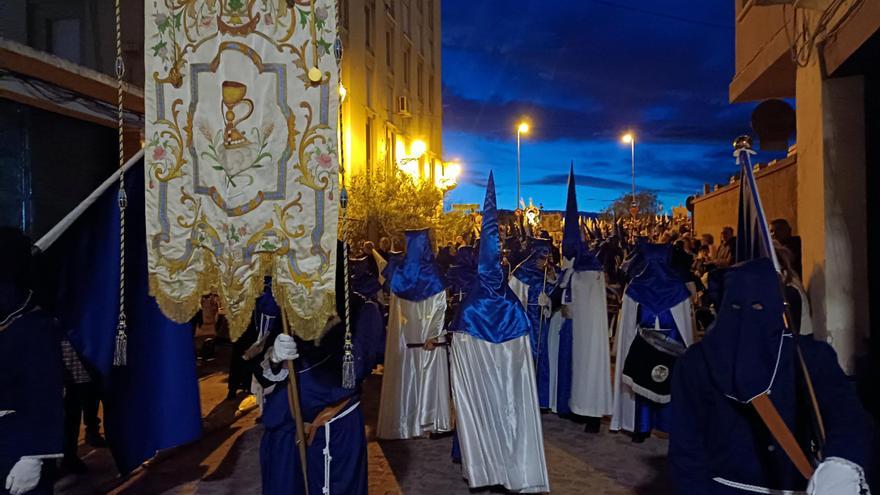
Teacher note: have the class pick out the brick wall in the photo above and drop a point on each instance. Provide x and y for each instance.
(777, 184)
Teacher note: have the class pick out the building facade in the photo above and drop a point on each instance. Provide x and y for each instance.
(826, 55)
(57, 70)
(391, 73)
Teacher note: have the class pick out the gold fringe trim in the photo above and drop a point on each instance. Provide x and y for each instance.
(183, 309)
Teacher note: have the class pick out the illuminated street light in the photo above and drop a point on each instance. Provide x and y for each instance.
(410, 163)
(630, 139)
(522, 128)
(417, 149)
(449, 177)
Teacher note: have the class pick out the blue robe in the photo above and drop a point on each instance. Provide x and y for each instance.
(319, 376)
(539, 328)
(718, 443)
(651, 415)
(712, 436)
(31, 384)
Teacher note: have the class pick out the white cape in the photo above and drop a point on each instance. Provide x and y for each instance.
(415, 396)
(591, 354)
(624, 399)
(498, 421)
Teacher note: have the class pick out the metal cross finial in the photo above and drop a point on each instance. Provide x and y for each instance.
(742, 142)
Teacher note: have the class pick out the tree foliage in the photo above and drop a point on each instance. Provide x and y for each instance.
(647, 202)
(388, 203)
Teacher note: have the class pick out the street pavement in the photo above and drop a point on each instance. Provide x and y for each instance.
(226, 460)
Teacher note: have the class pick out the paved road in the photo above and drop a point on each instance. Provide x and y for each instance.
(226, 460)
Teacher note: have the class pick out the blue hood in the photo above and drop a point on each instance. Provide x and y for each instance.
(743, 345)
(491, 311)
(573, 247)
(656, 286)
(418, 277)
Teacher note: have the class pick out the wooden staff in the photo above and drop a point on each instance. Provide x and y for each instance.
(295, 410)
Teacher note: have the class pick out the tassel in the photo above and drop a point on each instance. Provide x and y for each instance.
(120, 355)
(348, 372)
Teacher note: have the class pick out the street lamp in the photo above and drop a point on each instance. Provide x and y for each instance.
(630, 139)
(448, 179)
(522, 128)
(409, 164)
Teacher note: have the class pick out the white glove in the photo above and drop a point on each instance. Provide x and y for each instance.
(544, 300)
(284, 349)
(24, 476)
(836, 476)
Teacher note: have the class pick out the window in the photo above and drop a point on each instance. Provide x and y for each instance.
(404, 13)
(431, 14)
(419, 79)
(389, 8)
(406, 61)
(389, 101)
(368, 21)
(431, 93)
(368, 147)
(389, 50)
(369, 92)
(390, 153)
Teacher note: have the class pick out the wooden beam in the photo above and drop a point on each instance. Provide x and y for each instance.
(24, 60)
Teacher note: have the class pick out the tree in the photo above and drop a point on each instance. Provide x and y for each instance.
(388, 203)
(647, 202)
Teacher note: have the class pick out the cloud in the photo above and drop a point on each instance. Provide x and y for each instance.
(580, 180)
(584, 71)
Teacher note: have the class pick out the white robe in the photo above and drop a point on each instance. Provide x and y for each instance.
(591, 354)
(415, 396)
(497, 416)
(624, 413)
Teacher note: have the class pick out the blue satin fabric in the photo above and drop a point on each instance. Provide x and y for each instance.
(418, 277)
(395, 259)
(533, 273)
(656, 286)
(564, 368)
(491, 311)
(362, 281)
(572, 244)
(463, 272)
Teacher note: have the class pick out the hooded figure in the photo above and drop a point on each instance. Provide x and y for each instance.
(462, 272)
(497, 416)
(31, 376)
(363, 281)
(533, 281)
(718, 443)
(415, 387)
(582, 376)
(337, 445)
(656, 326)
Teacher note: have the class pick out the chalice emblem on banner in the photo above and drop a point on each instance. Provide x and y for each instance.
(234, 96)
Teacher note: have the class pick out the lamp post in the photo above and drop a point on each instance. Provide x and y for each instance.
(522, 128)
(630, 139)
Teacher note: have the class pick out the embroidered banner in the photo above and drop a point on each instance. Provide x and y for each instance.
(241, 164)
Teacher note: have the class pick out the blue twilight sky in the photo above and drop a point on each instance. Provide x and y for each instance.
(585, 71)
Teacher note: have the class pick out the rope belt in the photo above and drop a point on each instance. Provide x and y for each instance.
(326, 451)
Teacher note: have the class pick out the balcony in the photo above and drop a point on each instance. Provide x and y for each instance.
(764, 68)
